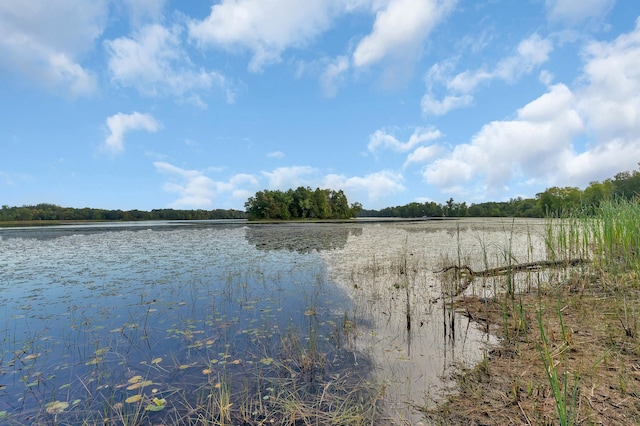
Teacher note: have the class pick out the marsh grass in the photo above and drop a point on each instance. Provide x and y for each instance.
(564, 395)
(579, 364)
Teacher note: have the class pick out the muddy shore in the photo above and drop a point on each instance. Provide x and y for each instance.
(584, 331)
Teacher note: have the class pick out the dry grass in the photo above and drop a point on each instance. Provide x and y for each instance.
(589, 323)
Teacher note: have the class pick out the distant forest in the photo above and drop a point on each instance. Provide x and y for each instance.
(52, 212)
(554, 201)
(304, 203)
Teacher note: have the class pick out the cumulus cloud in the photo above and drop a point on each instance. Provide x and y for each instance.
(530, 53)
(536, 143)
(572, 12)
(120, 124)
(609, 100)
(42, 41)
(284, 178)
(154, 63)
(381, 139)
(400, 28)
(541, 144)
(196, 190)
(375, 186)
(610, 95)
(422, 154)
(264, 27)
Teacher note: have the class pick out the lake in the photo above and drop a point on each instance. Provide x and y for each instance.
(237, 323)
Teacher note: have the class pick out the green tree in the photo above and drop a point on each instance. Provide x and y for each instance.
(323, 208)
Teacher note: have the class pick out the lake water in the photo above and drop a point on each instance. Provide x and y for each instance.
(155, 323)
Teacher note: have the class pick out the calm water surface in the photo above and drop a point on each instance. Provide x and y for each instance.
(88, 310)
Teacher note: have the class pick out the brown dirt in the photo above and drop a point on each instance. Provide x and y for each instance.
(600, 348)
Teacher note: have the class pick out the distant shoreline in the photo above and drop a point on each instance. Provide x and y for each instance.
(43, 223)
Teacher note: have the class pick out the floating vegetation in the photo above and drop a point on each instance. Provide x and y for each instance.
(56, 407)
(317, 324)
(230, 328)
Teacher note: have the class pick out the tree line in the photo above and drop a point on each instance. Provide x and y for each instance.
(554, 201)
(46, 211)
(301, 203)
(305, 203)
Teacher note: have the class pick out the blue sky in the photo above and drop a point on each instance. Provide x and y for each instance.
(141, 104)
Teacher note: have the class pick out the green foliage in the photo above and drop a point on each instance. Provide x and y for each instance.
(554, 201)
(562, 201)
(301, 203)
(45, 211)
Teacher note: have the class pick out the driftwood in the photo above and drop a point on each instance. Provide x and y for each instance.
(469, 274)
(520, 267)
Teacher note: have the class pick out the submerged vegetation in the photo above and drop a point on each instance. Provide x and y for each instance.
(194, 334)
(569, 345)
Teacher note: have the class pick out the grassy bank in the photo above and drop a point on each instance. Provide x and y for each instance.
(569, 349)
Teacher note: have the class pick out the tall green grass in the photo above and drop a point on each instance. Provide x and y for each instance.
(610, 239)
(617, 236)
(610, 236)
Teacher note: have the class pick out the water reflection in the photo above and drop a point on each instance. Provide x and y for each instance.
(301, 238)
(311, 307)
(411, 331)
(107, 321)
(90, 228)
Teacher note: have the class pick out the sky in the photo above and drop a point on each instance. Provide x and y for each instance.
(143, 104)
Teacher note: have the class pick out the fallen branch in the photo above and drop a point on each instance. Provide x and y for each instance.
(520, 267)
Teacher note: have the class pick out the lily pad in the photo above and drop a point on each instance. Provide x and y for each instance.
(139, 385)
(158, 404)
(134, 398)
(57, 407)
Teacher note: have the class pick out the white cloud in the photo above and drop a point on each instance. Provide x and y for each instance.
(376, 186)
(432, 106)
(141, 11)
(265, 27)
(572, 12)
(154, 63)
(610, 96)
(530, 53)
(381, 139)
(609, 100)
(333, 75)
(42, 41)
(536, 143)
(119, 124)
(196, 190)
(275, 154)
(400, 29)
(422, 154)
(564, 137)
(284, 178)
